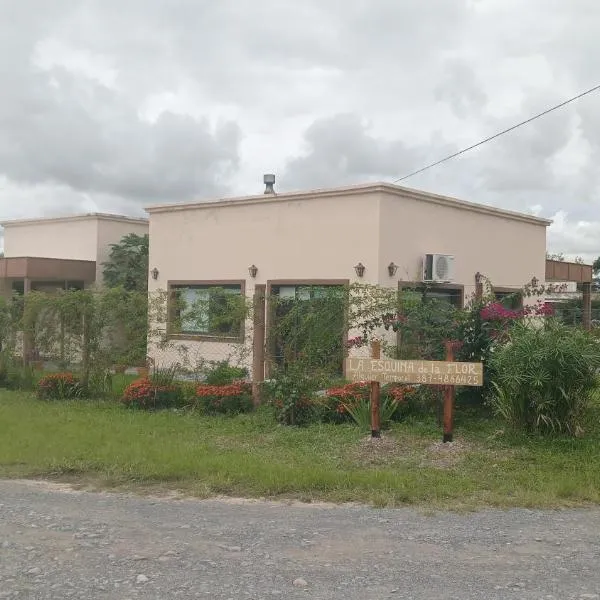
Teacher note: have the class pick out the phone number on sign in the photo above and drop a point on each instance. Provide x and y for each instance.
(440, 379)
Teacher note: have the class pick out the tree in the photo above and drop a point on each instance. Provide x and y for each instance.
(596, 266)
(127, 265)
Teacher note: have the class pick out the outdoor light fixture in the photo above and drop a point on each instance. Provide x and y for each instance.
(392, 268)
(253, 270)
(154, 273)
(360, 269)
(534, 282)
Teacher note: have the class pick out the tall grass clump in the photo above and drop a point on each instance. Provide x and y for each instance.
(544, 377)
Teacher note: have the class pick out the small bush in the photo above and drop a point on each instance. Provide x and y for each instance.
(361, 412)
(291, 394)
(147, 395)
(222, 373)
(59, 386)
(544, 377)
(14, 375)
(232, 399)
(333, 405)
(343, 403)
(100, 383)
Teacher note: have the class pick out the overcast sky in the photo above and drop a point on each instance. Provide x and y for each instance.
(110, 105)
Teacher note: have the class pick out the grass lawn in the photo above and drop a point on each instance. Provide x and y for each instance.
(105, 445)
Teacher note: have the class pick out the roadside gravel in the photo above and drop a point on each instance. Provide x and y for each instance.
(59, 543)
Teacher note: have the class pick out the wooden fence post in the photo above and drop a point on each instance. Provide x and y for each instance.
(258, 342)
(85, 342)
(375, 395)
(478, 287)
(449, 393)
(28, 335)
(587, 305)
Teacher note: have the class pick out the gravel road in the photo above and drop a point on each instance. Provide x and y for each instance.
(60, 543)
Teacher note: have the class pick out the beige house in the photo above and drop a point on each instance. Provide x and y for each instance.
(42, 254)
(375, 233)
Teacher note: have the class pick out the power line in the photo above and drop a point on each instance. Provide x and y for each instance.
(497, 135)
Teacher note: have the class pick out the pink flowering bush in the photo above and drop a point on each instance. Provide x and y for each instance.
(498, 312)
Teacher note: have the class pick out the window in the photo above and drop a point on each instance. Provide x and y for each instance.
(511, 299)
(209, 310)
(451, 295)
(309, 320)
(53, 286)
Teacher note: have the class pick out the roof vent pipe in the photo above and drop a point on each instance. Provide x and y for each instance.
(269, 181)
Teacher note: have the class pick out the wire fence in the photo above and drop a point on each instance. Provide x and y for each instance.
(316, 326)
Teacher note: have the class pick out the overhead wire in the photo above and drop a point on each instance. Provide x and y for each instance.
(497, 135)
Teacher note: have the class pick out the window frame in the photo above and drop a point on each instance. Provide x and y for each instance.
(508, 291)
(419, 286)
(270, 316)
(172, 285)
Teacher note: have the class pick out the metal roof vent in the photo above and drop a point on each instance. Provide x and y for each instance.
(269, 181)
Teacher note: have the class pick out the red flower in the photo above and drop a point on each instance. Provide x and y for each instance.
(145, 394)
(223, 391)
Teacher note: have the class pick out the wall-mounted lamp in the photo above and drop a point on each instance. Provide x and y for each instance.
(253, 270)
(534, 282)
(392, 268)
(478, 277)
(360, 269)
(154, 273)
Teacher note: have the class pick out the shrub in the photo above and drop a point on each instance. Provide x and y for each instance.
(145, 394)
(361, 412)
(231, 399)
(59, 386)
(544, 377)
(291, 394)
(333, 405)
(164, 376)
(340, 404)
(222, 373)
(14, 375)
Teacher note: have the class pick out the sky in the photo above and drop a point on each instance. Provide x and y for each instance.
(110, 106)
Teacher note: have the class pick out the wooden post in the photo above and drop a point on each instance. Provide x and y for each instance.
(85, 343)
(449, 392)
(28, 336)
(587, 305)
(258, 342)
(478, 287)
(375, 395)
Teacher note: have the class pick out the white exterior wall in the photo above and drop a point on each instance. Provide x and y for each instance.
(77, 238)
(68, 239)
(293, 240)
(507, 251)
(323, 235)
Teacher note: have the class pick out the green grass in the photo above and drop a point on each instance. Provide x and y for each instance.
(101, 444)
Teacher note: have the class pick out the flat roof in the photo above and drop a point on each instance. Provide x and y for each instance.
(379, 187)
(70, 218)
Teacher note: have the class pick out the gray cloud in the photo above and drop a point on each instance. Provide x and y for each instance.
(340, 150)
(71, 130)
(110, 105)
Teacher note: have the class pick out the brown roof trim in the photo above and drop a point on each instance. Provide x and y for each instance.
(50, 269)
(72, 218)
(558, 270)
(386, 188)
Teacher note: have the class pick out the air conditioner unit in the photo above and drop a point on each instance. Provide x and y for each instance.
(438, 268)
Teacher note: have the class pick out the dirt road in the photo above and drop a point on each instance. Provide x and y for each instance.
(58, 543)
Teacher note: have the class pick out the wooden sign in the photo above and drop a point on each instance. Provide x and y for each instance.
(425, 372)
